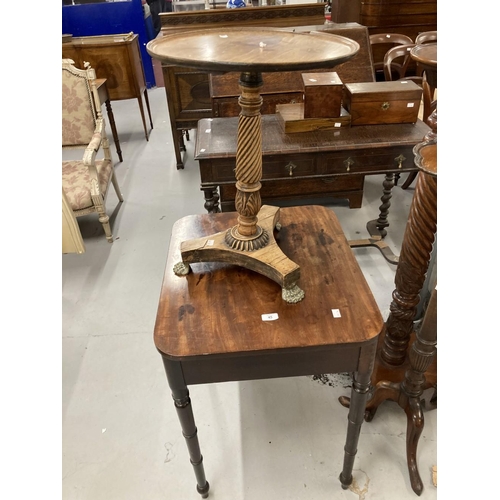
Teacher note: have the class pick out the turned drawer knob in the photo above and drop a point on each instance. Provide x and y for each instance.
(289, 168)
(348, 163)
(399, 160)
(385, 106)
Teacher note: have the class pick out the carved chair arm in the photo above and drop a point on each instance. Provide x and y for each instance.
(94, 144)
(90, 154)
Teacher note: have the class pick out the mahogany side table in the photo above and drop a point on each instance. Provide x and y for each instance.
(250, 51)
(223, 323)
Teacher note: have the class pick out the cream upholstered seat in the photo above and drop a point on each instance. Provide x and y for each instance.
(85, 182)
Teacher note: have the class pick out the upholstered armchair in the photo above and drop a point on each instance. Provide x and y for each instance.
(85, 182)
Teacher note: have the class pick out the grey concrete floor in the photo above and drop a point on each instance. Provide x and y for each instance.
(276, 439)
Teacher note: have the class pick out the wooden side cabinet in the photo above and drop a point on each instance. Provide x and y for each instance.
(116, 58)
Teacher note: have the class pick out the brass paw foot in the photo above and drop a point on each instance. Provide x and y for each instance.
(181, 269)
(292, 295)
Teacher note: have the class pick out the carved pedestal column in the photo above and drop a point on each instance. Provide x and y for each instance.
(248, 235)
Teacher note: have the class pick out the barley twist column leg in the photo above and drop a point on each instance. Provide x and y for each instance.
(247, 235)
(410, 275)
(378, 226)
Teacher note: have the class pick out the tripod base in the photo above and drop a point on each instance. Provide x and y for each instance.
(266, 259)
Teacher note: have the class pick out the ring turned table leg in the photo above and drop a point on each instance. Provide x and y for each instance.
(359, 396)
(112, 123)
(182, 402)
(211, 195)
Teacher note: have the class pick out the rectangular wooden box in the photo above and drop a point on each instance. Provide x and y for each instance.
(291, 118)
(322, 94)
(374, 103)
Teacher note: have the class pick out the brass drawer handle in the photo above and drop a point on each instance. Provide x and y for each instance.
(348, 163)
(399, 160)
(289, 168)
(385, 106)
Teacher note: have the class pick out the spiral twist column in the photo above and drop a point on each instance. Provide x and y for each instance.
(247, 235)
(410, 275)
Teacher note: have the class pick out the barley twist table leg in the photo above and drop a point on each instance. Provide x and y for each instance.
(377, 227)
(248, 167)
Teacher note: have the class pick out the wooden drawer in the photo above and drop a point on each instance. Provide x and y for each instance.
(228, 106)
(284, 167)
(338, 187)
(366, 162)
(273, 167)
(370, 161)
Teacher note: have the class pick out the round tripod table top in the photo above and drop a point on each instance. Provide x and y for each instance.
(426, 54)
(252, 49)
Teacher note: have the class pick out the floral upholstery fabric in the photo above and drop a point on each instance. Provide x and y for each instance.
(77, 118)
(76, 182)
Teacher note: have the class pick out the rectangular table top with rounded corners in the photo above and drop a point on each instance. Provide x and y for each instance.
(225, 310)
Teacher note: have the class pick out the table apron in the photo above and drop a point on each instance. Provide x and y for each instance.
(213, 369)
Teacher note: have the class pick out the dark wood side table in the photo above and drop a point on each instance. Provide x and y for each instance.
(214, 325)
(102, 90)
(318, 164)
(118, 59)
(252, 52)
